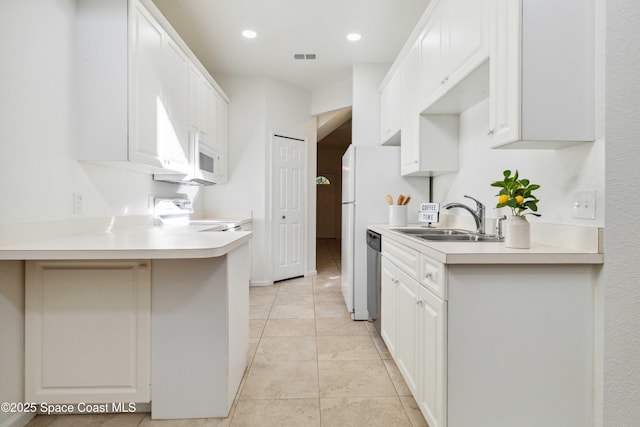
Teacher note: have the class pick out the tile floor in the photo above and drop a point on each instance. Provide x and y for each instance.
(309, 364)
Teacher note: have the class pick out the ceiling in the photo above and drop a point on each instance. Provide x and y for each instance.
(212, 29)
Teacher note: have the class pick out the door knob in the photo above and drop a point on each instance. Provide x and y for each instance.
(283, 217)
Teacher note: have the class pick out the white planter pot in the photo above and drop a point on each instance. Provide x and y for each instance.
(517, 233)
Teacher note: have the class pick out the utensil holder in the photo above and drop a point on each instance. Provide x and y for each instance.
(398, 215)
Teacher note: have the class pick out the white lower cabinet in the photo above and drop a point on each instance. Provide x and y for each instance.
(490, 345)
(414, 329)
(87, 331)
(432, 351)
(388, 309)
(407, 332)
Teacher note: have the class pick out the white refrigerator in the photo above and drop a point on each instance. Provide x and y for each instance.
(368, 174)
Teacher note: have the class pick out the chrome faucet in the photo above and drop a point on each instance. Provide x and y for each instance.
(478, 214)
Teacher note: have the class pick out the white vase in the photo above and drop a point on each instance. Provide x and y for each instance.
(517, 232)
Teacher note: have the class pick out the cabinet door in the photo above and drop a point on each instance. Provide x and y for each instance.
(147, 77)
(195, 94)
(220, 140)
(207, 109)
(467, 33)
(390, 106)
(432, 350)
(432, 62)
(388, 305)
(410, 121)
(505, 76)
(173, 139)
(87, 331)
(407, 300)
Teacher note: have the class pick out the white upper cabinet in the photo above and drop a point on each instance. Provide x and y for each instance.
(390, 111)
(410, 148)
(147, 80)
(433, 70)
(175, 121)
(442, 70)
(542, 74)
(136, 88)
(221, 136)
(454, 42)
(208, 114)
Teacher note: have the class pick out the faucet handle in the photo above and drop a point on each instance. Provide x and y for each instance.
(479, 204)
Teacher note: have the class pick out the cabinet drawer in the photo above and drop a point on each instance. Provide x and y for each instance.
(432, 276)
(407, 259)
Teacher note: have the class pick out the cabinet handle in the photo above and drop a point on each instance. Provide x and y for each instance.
(491, 132)
(419, 302)
(429, 275)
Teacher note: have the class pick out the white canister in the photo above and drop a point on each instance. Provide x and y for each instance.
(398, 215)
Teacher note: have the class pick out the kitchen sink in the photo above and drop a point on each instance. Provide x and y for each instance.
(448, 235)
(431, 231)
(471, 237)
(216, 228)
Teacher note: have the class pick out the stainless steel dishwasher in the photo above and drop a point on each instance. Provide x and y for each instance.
(373, 277)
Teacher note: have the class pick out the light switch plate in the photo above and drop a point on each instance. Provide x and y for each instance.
(78, 203)
(584, 204)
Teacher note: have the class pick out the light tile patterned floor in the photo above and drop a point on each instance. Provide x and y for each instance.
(309, 364)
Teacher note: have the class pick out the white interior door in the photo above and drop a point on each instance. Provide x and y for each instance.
(288, 220)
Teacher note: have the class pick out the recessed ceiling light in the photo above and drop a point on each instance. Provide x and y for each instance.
(249, 34)
(353, 37)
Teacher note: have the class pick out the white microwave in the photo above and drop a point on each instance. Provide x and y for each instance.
(205, 163)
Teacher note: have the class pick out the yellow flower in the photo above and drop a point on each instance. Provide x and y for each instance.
(503, 199)
(519, 200)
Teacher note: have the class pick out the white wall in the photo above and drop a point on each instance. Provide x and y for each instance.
(559, 172)
(366, 103)
(258, 107)
(333, 96)
(621, 274)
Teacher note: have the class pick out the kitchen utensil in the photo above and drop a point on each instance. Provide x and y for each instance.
(406, 200)
(400, 200)
(389, 199)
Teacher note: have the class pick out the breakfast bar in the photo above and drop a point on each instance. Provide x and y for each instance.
(143, 315)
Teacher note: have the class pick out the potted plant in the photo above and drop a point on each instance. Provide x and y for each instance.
(517, 194)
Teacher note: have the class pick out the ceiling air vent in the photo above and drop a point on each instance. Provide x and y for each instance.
(305, 56)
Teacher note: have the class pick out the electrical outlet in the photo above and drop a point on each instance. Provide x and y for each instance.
(78, 203)
(584, 204)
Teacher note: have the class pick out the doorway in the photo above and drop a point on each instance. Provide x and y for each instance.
(329, 197)
(326, 218)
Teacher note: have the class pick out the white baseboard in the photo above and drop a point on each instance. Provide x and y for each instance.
(260, 282)
(311, 273)
(18, 420)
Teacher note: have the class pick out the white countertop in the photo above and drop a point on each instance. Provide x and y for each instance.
(489, 252)
(146, 242)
